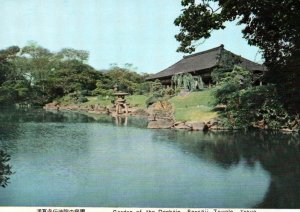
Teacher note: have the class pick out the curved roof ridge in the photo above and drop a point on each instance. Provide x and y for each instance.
(203, 52)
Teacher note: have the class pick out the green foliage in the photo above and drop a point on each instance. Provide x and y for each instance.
(255, 104)
(156, 92)
(5, 168)
(34, 51)
(127, 80)
(199, 84)
(187, 81)
(287, 82)
(271, 110)
(82, 99)
(277, 36)
(8, 94)
(227, 61)
(14, 90)
(71, 80)
(38, 76)
(168, 91)
(122, 79)
(156, 88)
(152, 99)
(249, 105)
(102, 92)
(231, 83)
(52, 75)
(7, 69)
(73, 55)
(142, 88)
(159, 93)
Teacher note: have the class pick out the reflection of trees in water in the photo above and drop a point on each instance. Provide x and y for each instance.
(16, 116)
(5, 168)
(8, 115)
(11, 116)
(8, 131)
(278, 153)
(282, 160)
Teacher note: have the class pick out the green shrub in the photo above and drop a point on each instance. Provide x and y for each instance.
(73, 95)
(168, 91)
(151, 100)
(254, 104)
(102, 92)
(82, 99)
(85, 93)
(159, 93)
(248, 105)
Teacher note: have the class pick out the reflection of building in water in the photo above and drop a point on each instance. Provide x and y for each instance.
(121, 120)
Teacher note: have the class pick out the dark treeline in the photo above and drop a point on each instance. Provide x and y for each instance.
(36, 76)
(277, 153)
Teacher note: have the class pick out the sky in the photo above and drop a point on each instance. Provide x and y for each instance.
(139, 32)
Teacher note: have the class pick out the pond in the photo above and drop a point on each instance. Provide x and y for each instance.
(71, 159)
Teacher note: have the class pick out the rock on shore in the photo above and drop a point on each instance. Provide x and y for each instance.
(160, 115)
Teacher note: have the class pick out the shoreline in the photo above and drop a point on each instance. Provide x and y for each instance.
(157, 117)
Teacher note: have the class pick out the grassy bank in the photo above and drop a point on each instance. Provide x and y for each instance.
(196, 106)
(133, 100)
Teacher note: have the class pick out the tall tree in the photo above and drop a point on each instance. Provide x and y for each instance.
(6, 66)
(73, 54)
(271, 25)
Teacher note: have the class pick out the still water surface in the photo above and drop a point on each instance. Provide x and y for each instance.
(67, 159)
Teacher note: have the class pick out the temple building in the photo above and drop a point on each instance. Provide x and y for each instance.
(203, 63)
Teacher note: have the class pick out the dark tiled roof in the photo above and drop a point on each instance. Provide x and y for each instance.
(203, 61)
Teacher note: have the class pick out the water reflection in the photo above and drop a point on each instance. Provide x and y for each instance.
(9, 115)
(121, 121)
(95, 157)
(11, 118)
(5, 169)
(278, 153)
